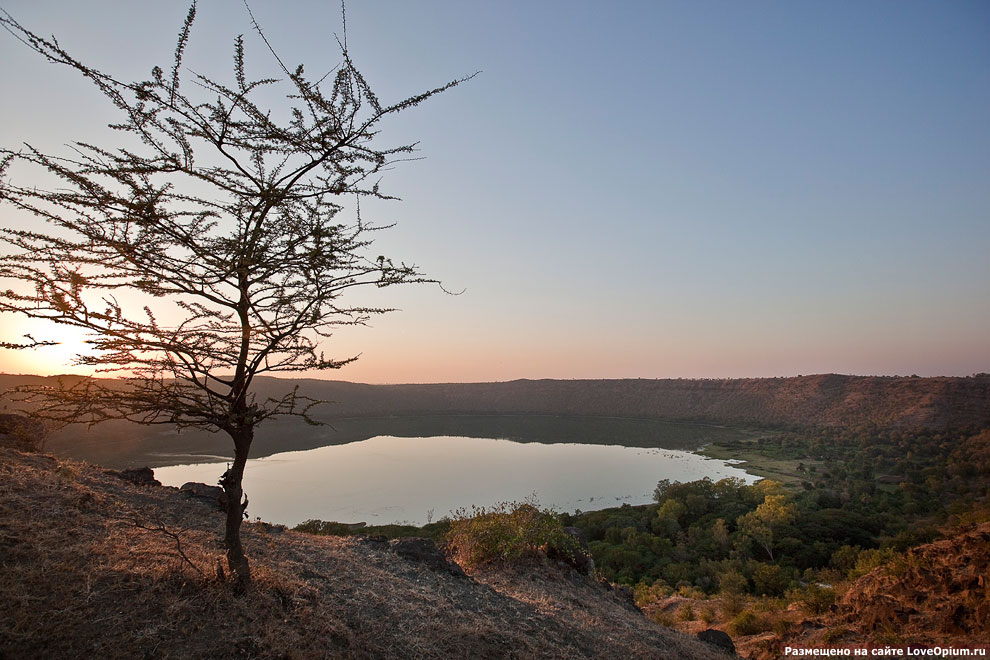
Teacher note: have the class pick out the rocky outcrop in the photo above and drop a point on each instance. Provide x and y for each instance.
(425, 552)
(940, 587)
(580, 559)
(21, 432)
(212, 495)
(142, 476)
(935, 593)
(718, 639)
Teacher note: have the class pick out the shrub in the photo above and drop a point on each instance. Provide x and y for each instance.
(813, 599)
(686, 613)
(769, 580)
(731, 603)
(509, 532)
(780, 625)
(65, 473)
(870, 559)
(770, 605)
(733, 582)
(323, 528)
(687, 591)
(645, 594)
(21, 432)
(748, 623)
(844, 559)
(663, 618)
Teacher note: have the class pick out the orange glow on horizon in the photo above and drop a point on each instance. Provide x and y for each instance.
(42, 360)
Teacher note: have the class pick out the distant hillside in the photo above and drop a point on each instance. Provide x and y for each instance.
(822, 400)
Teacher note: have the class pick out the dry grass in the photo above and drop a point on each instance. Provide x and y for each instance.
(93, 566)
(755, 624)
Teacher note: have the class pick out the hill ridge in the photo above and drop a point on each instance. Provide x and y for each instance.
(815, 400)
(819, 400)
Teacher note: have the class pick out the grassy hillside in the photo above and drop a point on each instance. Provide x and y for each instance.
(94, 566)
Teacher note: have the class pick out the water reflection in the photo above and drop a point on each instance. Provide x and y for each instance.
(387, 479)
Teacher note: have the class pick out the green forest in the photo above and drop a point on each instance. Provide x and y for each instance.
(859, 496)
(847, 501)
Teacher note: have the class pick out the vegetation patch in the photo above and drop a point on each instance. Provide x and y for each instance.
(814, 599)
(436, 531)
(748, 622)
(753, 456)
(508, 532)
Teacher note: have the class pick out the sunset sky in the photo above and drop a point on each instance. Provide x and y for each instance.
(628, 189)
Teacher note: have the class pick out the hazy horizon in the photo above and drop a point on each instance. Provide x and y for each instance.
(643, 190)
(326, 377)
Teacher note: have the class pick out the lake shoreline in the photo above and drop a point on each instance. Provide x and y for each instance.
(119, 445)
(410, 480)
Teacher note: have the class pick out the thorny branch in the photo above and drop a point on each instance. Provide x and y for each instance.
(162, 529)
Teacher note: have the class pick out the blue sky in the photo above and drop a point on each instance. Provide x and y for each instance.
(633, 189)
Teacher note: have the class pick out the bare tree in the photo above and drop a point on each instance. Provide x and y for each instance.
(211, 252)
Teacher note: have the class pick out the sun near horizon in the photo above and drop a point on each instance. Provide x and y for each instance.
(741, 192)
(391, 365)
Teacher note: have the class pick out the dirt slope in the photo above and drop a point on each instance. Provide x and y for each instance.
(94, 566)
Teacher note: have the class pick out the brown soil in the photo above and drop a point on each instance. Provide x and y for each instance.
(94, 566)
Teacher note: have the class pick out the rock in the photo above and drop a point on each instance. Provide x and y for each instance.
(374, 542)
(580, 559)
(268, 528)
(626, 597)
(718, 639)
(622, 594)
(21, 432)
(577, 535)
(212, 494)
(143, 476)
(424, 551)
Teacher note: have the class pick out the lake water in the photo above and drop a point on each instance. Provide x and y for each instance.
(388, 479)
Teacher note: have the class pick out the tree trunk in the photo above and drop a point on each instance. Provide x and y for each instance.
(236, 505)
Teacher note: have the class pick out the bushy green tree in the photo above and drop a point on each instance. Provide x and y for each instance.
(763, 524)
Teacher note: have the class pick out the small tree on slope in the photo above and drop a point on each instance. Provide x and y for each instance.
(210, 253)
